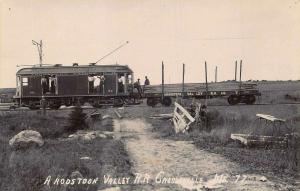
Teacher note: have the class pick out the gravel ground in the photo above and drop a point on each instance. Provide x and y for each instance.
(164, 159)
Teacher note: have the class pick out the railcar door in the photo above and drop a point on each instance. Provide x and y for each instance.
(110, 84)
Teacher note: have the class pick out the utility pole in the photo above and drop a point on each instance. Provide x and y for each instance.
(206, 85)
(183, 72)
(162, 80)
(235, 71)
(216, 74)
(206, 95)
(40, 50)
(241, 74)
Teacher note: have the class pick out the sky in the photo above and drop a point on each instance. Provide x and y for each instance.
(264, 34)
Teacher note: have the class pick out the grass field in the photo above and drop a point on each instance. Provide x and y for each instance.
(278, 162)
(21, 170)
(27, 169)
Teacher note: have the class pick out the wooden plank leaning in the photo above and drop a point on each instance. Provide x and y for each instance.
(181, 119)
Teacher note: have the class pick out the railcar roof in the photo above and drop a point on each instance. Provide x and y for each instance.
(74, 69)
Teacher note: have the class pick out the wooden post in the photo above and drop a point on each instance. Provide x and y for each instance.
(162, 80)
(216, 74)
(43, 103)
(241, 74)
(183, 72)
(206, 94)
(235, 72)
(206, 85)
(41, 53)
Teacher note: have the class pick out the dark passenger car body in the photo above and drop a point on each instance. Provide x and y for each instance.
(69, 85)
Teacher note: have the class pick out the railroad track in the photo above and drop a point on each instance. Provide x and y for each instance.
(6, 107)
(297, 103)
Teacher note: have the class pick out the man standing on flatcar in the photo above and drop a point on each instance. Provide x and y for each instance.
(146, 83)
(137, 85)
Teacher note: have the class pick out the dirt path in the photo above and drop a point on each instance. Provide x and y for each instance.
(174, 165)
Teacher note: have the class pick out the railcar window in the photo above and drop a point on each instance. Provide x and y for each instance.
(24, 81)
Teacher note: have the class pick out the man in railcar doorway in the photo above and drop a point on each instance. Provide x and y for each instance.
(91, 83)
(45, 85)
(120, 84)
(102, 79)
(53, 84)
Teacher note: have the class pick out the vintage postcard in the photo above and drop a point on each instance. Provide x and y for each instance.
(121, 95)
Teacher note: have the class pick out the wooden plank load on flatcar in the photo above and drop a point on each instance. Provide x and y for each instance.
(198, 87)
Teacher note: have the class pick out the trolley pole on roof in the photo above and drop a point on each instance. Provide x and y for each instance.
(112, 51)
(183, 72)
(40, 50)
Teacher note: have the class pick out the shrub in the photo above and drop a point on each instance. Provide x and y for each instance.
(77, 120)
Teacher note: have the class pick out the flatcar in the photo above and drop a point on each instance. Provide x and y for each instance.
(235, 92)
(69, 85)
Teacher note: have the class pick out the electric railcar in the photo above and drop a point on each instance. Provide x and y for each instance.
(68, 85)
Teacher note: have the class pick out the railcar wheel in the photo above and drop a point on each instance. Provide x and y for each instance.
(167, 101)
(33, 107)
(118, 102)
(55, 106)
(250, 99)
(233, 99)
(151, 102)
(96, 105)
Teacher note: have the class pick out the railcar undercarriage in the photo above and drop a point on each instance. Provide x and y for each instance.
(95, 101)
